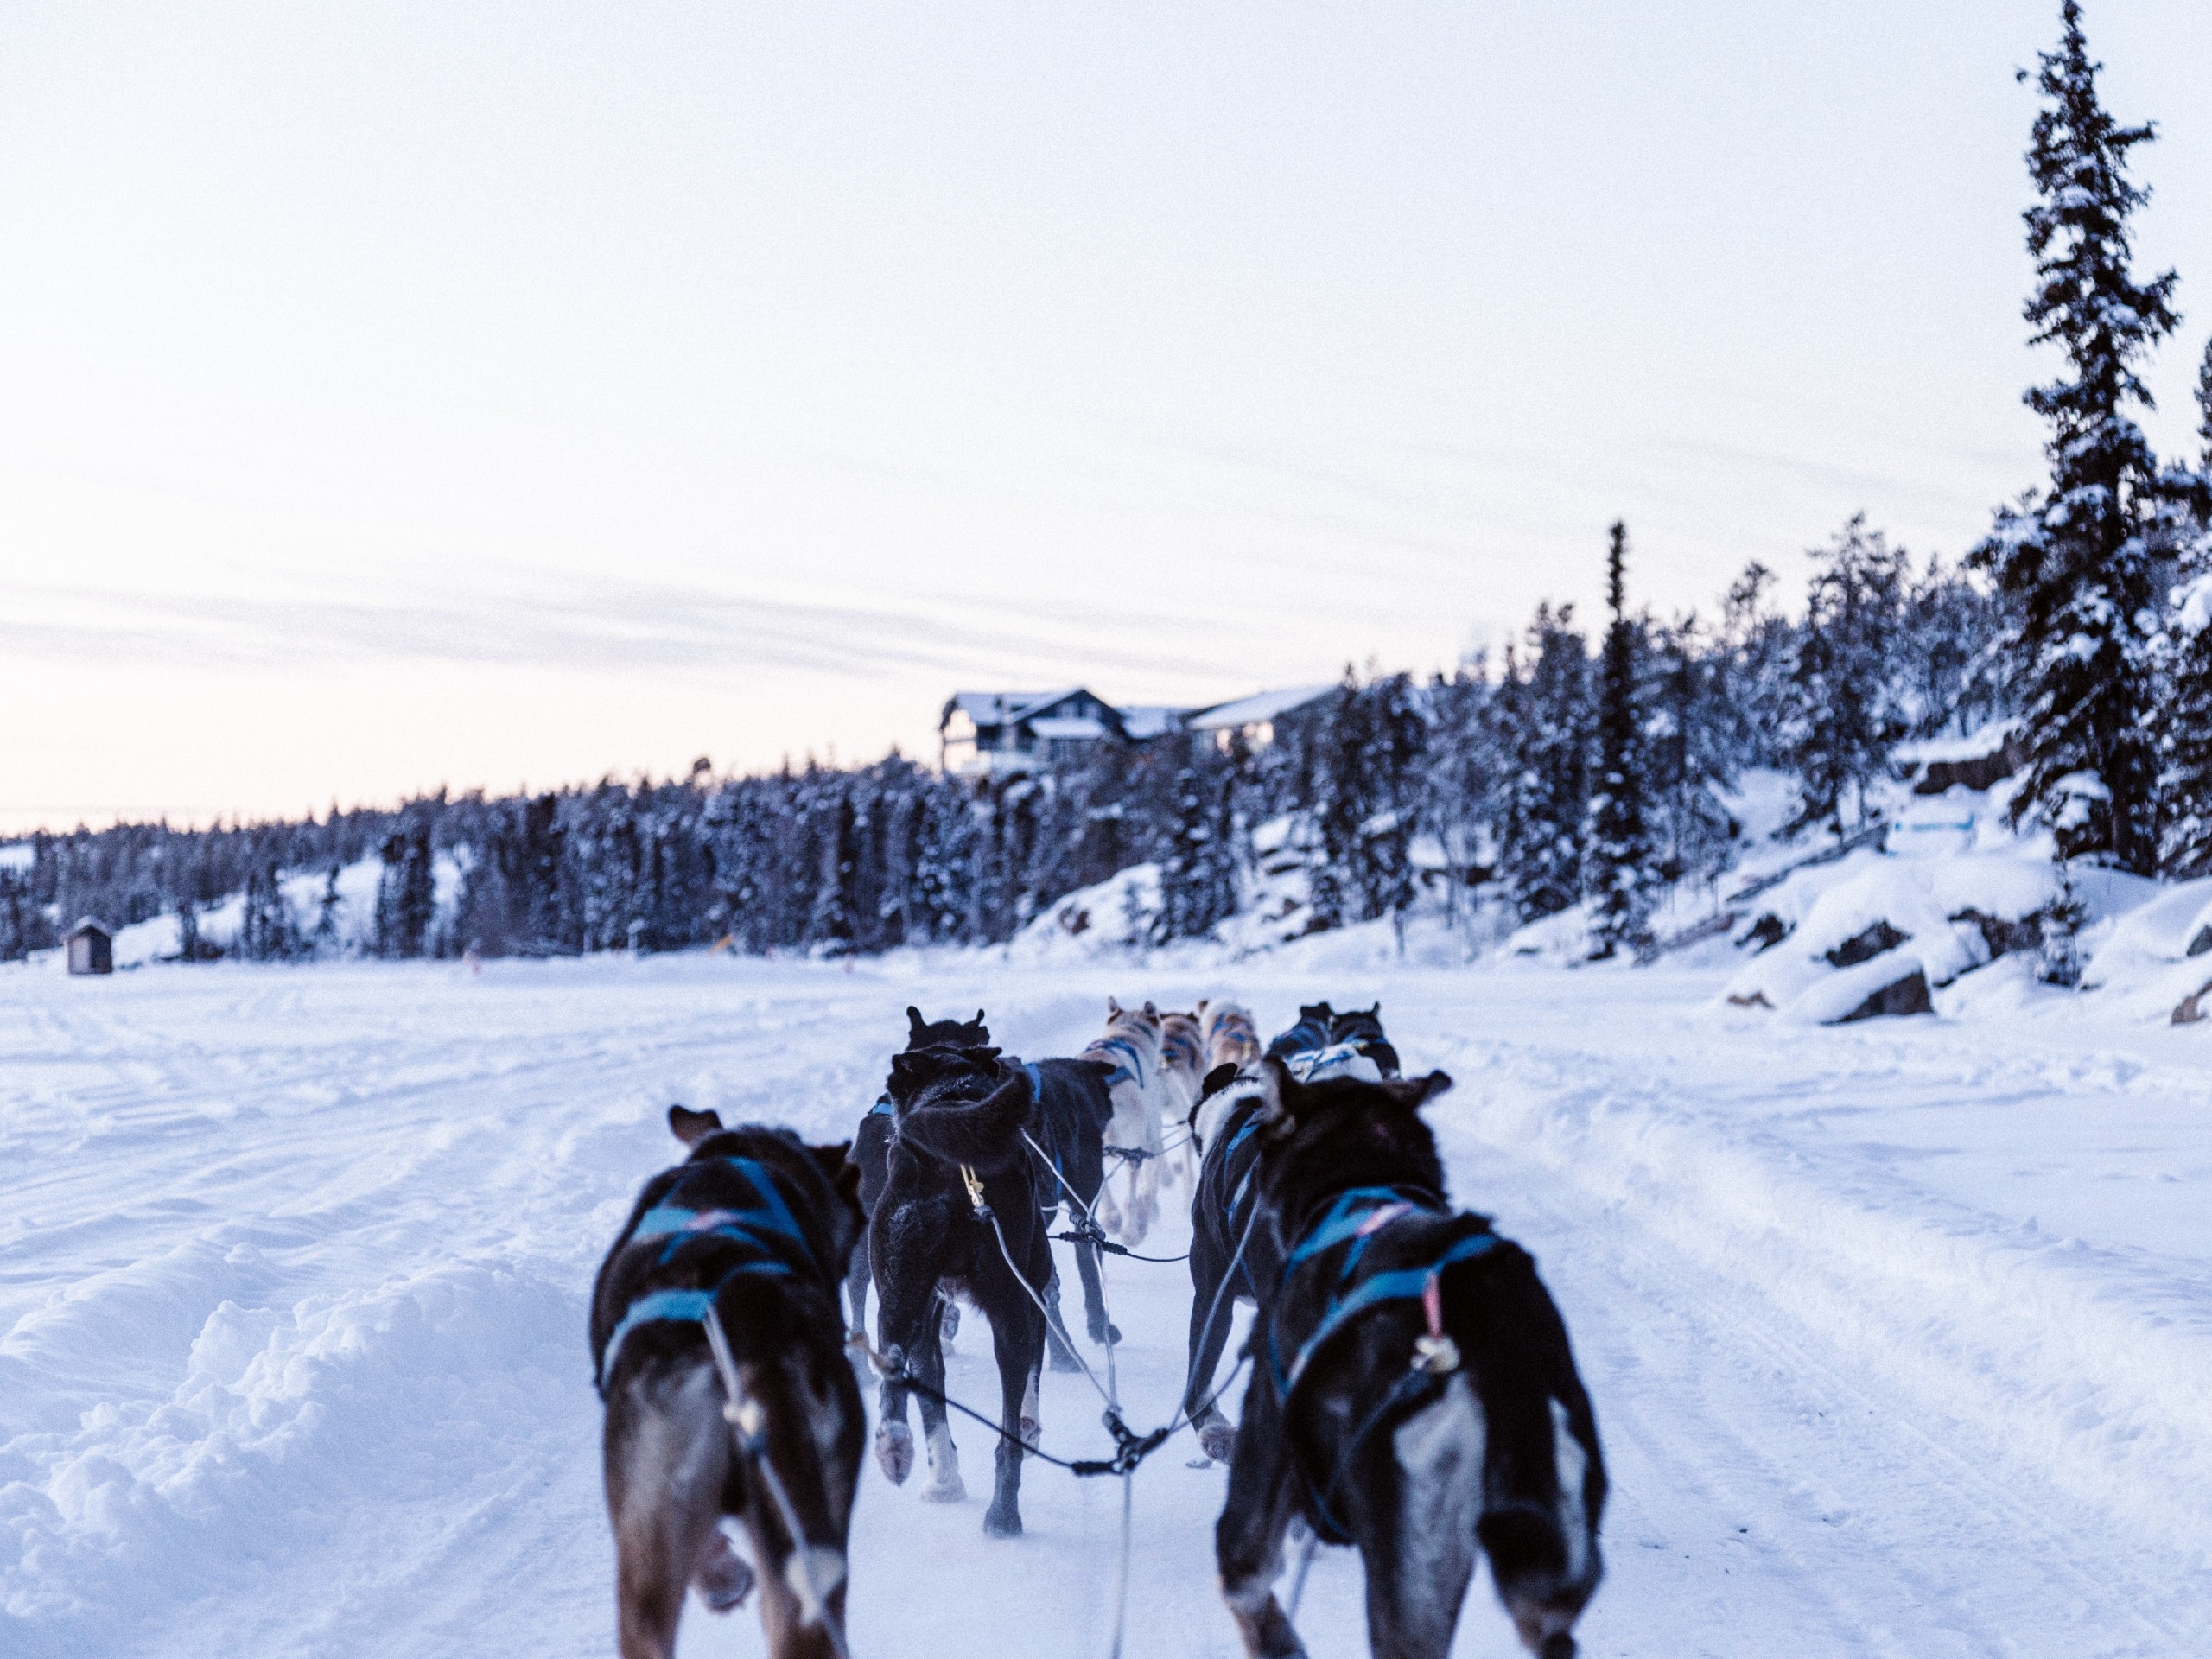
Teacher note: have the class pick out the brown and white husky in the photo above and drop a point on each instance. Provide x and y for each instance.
(1130, 1197)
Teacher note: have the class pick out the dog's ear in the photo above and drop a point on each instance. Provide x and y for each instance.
(907, 1070)
(1280, 1094)
(691, 1128)
(1415, 1091)
(1199, 1012)
(915, 1023)
(1150, 1013)
(830, 1160)
(979, 1017)
(1113, 1008)
(1217, 1079)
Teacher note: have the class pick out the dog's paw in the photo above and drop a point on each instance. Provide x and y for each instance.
(894, 1452)
(946, 1489)
(1105, 1333)
(948, 1324)
(1002, 1520)
(1218, 1439)
(724, 1579)
(1200, 1462)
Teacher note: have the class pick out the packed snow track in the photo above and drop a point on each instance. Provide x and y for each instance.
(1900, 1335)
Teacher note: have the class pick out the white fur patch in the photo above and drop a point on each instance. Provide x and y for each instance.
(1440, 1450)
(1573, 1464)
(945, 1485)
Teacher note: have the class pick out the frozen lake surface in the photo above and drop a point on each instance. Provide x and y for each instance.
(1900, 1334)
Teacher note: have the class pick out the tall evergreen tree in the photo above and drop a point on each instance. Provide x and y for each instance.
(2079, 555)
(1547, 818)
(1621, 874)
(2185, 734)
(1846, 713)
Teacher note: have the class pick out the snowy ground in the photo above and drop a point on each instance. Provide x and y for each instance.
(1900, 1333)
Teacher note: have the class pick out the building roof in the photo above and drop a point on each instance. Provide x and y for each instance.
(86, 924)
(1259, 706)
(996, 708)
(1064, 727)
(1143, 720)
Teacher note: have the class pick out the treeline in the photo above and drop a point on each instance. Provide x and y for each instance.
(1505, 774)
(1570, 771)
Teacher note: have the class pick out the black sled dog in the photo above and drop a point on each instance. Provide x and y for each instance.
(960, 1213)
(749, 1237)
(1232, 1259)
(872, 1136)
(1413, 1389)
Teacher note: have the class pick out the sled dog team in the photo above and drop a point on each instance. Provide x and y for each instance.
(1412, 1390)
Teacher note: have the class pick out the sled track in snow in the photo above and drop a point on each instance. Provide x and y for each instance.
(291, 1316)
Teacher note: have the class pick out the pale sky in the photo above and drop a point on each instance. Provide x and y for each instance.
(395, 395)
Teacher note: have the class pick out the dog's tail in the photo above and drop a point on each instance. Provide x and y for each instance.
(985, 1134)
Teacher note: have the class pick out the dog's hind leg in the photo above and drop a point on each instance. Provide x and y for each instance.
(666, 1462)
(1018, 1340)
(1414, 1497)
(1056, 1343)
(1094, 1297)
(945, 1485)
(1248, 1538)
(1209, 1327)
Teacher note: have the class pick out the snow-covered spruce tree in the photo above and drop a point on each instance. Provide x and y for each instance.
(1845, 711)
(1197, 871)
(1688, 752)
(2185, 731)
(2078, 557)
(1464, 777)
(834, 922)
(1758, 648)
(1951, 657)
(1335, 807)
(407, 890)
(1620, 861)
(1541, 853)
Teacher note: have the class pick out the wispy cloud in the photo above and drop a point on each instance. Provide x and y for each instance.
(571, 624)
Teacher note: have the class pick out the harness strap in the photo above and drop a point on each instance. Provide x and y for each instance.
(1401, 1284)
(882, 1106)
(770, 1230)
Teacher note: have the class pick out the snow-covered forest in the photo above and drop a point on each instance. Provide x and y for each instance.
(1597, 764)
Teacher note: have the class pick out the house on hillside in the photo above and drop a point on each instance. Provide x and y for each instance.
(1254, 717)
(1013, 734)
(1001, 734)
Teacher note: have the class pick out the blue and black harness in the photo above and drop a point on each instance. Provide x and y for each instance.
(761, 1226)
(1352, 1221)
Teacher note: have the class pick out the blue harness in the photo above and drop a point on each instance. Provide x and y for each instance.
(1131, 1072)
(1356, 1218)
(882, 1106)
(766, 1228)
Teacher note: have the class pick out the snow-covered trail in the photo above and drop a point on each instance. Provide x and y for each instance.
(1900, 1336)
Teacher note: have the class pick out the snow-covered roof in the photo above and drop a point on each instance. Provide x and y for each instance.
(1145, 720)
(18, 855)
(86, 924)
(1052, 728)
(996, 708)
(1260, 706)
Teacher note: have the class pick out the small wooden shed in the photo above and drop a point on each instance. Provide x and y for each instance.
(92, 948)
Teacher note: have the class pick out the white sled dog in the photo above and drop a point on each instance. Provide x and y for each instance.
(1182, 1076)
(1130, 1197)
(1230, 1039)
